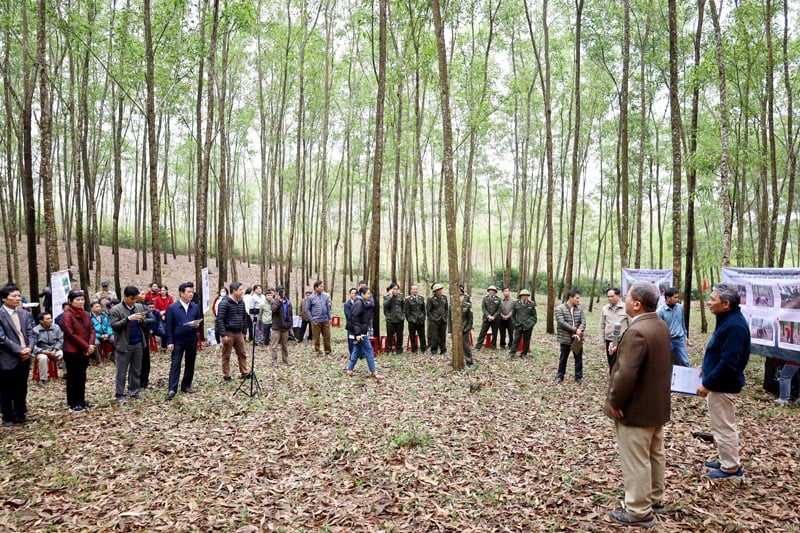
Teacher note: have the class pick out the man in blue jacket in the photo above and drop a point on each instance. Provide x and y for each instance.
(183, 321)
(724, 362)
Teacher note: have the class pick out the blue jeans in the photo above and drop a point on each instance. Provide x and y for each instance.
(363, 348)
(178, 351)
(787, 373)
(678, 345)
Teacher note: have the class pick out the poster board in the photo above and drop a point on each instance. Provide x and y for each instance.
(771, 305)
(662, 278)
(206, 292)
(60, 286)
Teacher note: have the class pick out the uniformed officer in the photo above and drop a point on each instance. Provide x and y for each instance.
(437, 320)
(394, 311)
(524, 318)
(466, 327)
(415, 315)
(491, 317)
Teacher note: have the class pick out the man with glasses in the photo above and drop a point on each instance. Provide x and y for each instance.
(613, 323)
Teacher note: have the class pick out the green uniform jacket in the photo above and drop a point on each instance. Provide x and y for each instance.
(466, 316)
(524, 315)
(394, 308)
(437, 309)
(415, 309)
(491, 307)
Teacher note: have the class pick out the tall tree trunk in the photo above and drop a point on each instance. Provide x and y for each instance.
(373, 257)
(724, 188)
(623, 136)
(791, 136)
(545, 78)
(152, 145)
(676, 127)
(576, 175)
(204, 152)
(45, 147)
(691, 174)
(29, 203)
(457, 351)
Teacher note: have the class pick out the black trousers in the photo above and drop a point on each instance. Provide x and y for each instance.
(14, 391)
(484, 329)
(303, 326)
(178, 352)
(415, 329)
(76, 364)
(566, 349)
(144, 375)
(523, 335)
(505, 327)
(394, 337)
(437, 335)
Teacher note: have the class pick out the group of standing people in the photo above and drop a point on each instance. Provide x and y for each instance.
(639, 396)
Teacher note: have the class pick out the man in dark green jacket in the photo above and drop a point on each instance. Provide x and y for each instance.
(415, 315)
(491, 317)
(394, 311)
(437, 320)
(523, 318)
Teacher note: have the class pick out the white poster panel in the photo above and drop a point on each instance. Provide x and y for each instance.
(206, 293)
(60, 286)
(662, 278)
(771, 304)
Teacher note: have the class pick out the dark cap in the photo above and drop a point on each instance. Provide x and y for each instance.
(104, 283)
(74, 293)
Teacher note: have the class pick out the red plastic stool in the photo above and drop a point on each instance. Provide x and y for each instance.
(488, 342)
(105, 350)
(470, 339)
(153, 343)
(384, 343)
(52, 370)
(376, 345)
(521, 344)
(336, 321)
(199, 342)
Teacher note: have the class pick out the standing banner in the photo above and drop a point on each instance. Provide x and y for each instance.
(771, 305)
(59, 289)
(662, 278)
(206, 293)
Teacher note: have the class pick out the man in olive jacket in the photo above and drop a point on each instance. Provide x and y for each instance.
(437, 311)
(638, 401)
(130, 321)
(415, 315)
(394, 309)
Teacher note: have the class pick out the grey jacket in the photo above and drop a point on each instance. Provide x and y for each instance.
(569, 320)
(10, 344)
(121, 325)
(48, 339)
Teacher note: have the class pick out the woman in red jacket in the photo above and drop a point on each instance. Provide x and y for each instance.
(79, 346)
(162, 302)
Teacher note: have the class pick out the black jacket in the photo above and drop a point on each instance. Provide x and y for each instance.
(231, 317)
(360, 317)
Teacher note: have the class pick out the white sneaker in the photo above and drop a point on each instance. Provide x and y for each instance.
(781, 401)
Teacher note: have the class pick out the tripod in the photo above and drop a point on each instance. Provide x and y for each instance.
(255, 384)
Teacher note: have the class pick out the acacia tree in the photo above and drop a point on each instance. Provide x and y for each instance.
(457, 358)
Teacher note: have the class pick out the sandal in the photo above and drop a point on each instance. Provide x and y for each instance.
(377, 376)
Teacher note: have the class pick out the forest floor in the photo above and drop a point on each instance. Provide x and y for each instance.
(498, 448)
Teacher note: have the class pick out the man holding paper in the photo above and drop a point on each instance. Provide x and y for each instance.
(724, 362)
(184, 319)
(638, 401)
